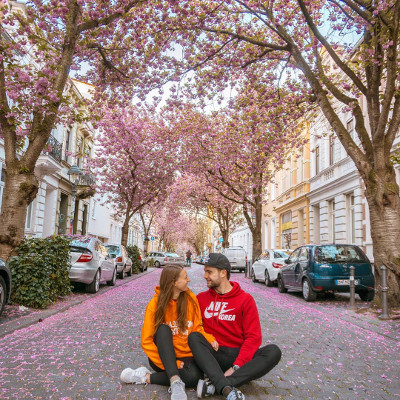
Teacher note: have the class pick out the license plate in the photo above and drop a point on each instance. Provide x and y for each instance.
(346, 282)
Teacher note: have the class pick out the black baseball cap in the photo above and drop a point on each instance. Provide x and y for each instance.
(217, 260)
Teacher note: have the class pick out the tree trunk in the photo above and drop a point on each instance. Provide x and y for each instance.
(19, 191)
(225, 237)
(145, 244)
(384, 209)
(125, 232)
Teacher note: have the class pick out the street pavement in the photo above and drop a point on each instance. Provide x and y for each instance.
(78, 353)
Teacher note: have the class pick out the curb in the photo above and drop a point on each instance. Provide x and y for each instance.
(38, 316)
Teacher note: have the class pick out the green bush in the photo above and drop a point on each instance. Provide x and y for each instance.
(134, 255)
(40, 271)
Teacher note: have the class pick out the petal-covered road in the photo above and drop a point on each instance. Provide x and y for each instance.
(79, 353)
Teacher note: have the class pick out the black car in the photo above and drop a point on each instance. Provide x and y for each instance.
(5, 284)
(312, 269)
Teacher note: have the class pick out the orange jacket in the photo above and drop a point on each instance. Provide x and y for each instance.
(180, 340)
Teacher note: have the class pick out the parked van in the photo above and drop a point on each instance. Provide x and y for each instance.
(237, 256)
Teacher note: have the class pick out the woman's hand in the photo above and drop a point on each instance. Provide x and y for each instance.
(215, 345)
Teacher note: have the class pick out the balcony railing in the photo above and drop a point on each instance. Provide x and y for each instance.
(53, 148)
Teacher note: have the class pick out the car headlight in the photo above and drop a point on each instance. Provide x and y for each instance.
(2, 263)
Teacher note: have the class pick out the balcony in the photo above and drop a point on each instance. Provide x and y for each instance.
(49, 161)
(53, 148)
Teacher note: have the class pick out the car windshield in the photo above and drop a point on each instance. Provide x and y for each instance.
(81, 242)
(280, 254)
(339, 254)
(112, 249)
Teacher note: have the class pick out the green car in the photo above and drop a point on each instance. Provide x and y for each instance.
(313, 269)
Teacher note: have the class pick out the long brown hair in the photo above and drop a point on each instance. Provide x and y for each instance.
(169, 276)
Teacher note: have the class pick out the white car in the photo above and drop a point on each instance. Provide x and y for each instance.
(267, 265)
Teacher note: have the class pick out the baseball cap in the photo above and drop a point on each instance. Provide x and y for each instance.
(217, 260)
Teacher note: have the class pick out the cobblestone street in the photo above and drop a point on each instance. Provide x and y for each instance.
(328, 352)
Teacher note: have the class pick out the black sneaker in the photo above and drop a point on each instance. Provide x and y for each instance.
(235, 394)
(204, 388)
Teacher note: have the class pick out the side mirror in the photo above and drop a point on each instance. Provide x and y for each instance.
(287, 261)
(113, 256)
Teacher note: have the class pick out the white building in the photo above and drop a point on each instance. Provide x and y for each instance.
(242, 236)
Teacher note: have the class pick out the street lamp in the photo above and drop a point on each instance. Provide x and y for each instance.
(74, 173)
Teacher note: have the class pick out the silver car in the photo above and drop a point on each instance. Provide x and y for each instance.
(160, 258)
(237, 256)
(173, 258)
(122, 260)
(91, 264)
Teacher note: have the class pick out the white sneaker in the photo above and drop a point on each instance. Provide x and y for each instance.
(138, 375)
(177, 390)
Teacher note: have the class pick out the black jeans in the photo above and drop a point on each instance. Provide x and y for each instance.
(215, 363)
(190, 373)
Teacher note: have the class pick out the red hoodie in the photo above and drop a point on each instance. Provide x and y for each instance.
(232, 318)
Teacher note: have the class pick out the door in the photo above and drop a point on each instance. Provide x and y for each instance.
(259, 265)
(301, 267)
(288, 269)
(106, 262)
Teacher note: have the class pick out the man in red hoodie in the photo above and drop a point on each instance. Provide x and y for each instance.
(231, 316)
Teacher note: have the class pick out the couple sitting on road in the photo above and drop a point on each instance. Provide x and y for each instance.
(182, 351)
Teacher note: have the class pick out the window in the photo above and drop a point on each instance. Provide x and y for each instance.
(2, 181)
(300, 167)
(28, 220)
(350, 127)
(317, 160)
(332, 220)
(351, 213)
(303, 254)
(294, 256)
(94, 209)
(67, 145)
(331, 149)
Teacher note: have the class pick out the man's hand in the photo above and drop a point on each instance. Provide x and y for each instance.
(215, 345)
(229, 371)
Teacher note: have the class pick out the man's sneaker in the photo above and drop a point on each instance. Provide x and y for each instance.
(235, 394)
(177, 390)
(205, 388)
(138, 375)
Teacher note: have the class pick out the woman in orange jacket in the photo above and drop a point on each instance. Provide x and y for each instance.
(171, 315)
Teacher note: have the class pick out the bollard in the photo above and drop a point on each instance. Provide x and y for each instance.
(352, 288)
(385, 289)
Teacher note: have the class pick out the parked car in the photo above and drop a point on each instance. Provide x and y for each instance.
(91, 264)
(314, 269)
(122, 260)
(160, 258)
(5, 284)
(237, 256)
(173, 258)
(267, 265)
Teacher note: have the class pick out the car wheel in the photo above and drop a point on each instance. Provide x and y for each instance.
(129, 272)
(281, 285)
(113, 279)
(308, 292)
(121, 275)
(267, 281)
(3, 294)
(156, 264)
(95, 285)
(367, 295)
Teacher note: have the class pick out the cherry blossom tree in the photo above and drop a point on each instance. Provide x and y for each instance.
(346, 51)
(40, 44)
(234, 149)
(193, 195)
(134, 162)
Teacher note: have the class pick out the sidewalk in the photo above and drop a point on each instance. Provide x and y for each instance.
(16, 317)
